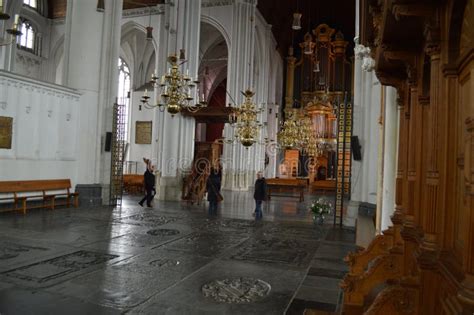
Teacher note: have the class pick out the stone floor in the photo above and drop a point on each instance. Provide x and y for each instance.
(171, 259)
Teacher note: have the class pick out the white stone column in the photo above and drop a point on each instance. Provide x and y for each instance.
(108, 91)
(91, 48)
(237, 174)
(358, 124)
(380, 159)
(389, 157)
(175, 147)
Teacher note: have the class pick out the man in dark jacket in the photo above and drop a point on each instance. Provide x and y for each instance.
(260, 194)
(149, 180)
(213, 187)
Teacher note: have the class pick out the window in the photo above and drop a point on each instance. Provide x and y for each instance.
(27, 39)
(31, 3)
(123, 91)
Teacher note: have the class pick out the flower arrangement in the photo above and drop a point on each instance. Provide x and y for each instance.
(321, 207)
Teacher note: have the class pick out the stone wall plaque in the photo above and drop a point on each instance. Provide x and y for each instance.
(6, 124)
(143, 132)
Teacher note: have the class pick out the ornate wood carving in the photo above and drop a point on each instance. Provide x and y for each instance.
(394, 300)
(412, 10)
(433, 225)
(358, 262)
(410, 61)
(383, 268)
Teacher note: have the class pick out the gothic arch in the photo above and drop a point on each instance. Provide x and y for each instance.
(212, 21)
(456, 17)
(140, 56)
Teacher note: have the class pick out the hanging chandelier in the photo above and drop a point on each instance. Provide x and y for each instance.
(13, 32)
(177, 90)
(288, 134)
(298, 133)
(245, 121)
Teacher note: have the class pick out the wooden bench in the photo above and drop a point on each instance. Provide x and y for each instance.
(53, 192)
(133, 183)
(324, 185)
(287, 184)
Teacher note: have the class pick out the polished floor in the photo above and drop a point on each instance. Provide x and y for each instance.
(171, 259)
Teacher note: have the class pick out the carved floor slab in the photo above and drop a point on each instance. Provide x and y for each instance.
(143, 219)
(206, 243)
(216, 289)
(134, 280)
(293, 252)
(236, 290)
(297, 231)
(10, 250)
(48, 272)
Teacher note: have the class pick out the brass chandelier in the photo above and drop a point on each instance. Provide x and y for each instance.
(177, 90)
(245, 121)
(297, 132)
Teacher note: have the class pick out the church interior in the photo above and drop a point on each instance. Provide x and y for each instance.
(296, 157)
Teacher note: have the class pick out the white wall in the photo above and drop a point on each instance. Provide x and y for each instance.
(45, 125)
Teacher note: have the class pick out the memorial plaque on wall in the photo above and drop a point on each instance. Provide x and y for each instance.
(143, 132)
(6, 124)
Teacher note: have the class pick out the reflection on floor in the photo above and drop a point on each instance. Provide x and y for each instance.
(171, 259)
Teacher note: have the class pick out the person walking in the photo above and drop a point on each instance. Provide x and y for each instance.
(260, 194)
(149, 180)
(213, 187)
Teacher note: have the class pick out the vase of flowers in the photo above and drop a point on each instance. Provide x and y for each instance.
(319, 209)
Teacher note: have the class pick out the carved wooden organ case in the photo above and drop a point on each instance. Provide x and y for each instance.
(317, 81)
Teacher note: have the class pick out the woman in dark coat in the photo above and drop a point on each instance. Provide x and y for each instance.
(260, 194)
(213, 187)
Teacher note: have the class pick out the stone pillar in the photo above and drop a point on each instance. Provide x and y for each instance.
(91, 49)
(389, 156)
(175, 147)
(366, 112)
(358, 122)
(380, 160)
(237, 174)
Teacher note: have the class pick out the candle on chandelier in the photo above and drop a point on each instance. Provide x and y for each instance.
(163, 79)
(17, 20)
(146, 92)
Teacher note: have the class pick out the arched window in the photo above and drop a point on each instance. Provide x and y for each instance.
(124, 90)
(31, 3)
(27, 39)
